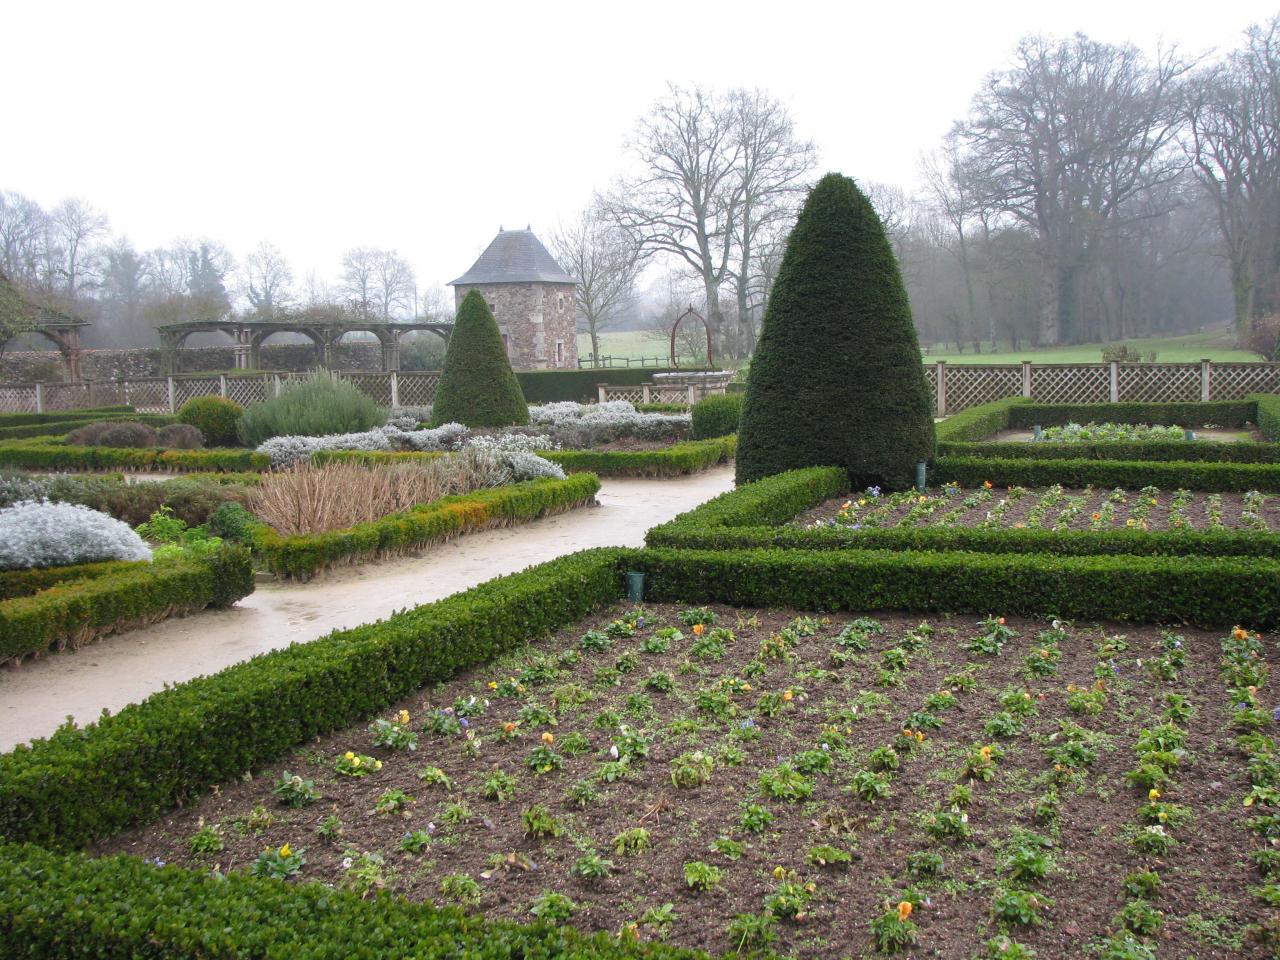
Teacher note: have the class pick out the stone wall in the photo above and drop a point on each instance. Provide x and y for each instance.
(29, 366)
(533, 318)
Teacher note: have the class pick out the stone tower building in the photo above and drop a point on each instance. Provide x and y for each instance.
(532, 298)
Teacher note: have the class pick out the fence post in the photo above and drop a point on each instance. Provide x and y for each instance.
(692, 399)
(276, 377)
(1113, 389)
(942, 388)
(1026, 378)
(602, 390)
(1206, 367)
(644, 393)
(222, 384)
(395, 389)
(39, 398)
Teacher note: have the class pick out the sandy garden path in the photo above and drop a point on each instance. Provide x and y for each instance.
(38, 695)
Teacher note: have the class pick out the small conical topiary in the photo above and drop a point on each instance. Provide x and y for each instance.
(837, 378)
(477, 386)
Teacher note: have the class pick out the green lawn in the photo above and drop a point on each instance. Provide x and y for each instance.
(1217, 345)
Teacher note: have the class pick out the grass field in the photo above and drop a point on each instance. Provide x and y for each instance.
(1216, 345)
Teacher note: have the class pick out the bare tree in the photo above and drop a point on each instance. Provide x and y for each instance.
(1063, 140)
(604, 261)
(22, 229)
(359, 277)
(78, 225)
(266, 279)
(772, 164)
(686, 201)
(395, 288)
(1233, 133)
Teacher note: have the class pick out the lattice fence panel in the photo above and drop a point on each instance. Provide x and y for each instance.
(635, 395)
(1082, 384)
(969, 386)
(665, 395)
(247, 390)
(1234, 381)
(417, 389)
(148, 396)
(931, 375)
(185, 389)
(19, 399)
(105, 393)
(374, 385)
(66, 396)
(1157, 382)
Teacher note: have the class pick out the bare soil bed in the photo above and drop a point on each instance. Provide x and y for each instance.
(1051, 508)
(757, 744)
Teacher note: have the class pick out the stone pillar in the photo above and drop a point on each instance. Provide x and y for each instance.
(395, 388)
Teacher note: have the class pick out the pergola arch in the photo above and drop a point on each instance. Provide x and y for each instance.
(64, 335)
(249, 336)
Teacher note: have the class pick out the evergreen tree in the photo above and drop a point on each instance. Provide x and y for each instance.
(477, 385)
(837, 378)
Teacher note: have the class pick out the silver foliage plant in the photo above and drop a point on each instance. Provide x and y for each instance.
(36, 533)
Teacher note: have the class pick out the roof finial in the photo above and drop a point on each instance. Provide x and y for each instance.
(499, 228)
(529, 227)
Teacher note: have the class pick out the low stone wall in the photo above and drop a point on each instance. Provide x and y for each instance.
(29, 366)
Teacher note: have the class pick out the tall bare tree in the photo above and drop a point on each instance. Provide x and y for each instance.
(22, 229)
(266, 279)
(604, 261)
(1233, 134)
(395, 287)
(78, 226)
(1063, 140)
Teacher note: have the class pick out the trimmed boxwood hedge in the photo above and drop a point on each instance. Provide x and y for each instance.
(1210, 451)
(978, 423)
(23, 583)
(303, 555)
(130, 767)
(1268, 415)
(49, 453)
(1223, 413)
(549, 386)
(716, 415)
(22, 431)
(371, 458)
(1079, 543)
(691, 456)
(86, 414)
(773, 500)
(1172, 474)
(75, 613)
(54, 905)
(1203, 591)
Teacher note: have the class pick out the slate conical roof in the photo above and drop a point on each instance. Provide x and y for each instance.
(514, 256)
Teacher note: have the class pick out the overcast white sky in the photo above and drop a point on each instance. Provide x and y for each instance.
(420, 126)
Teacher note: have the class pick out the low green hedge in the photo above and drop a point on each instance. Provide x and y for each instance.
(1204, 591)
(549, 386)
(773, 500)
(49, 453)
(717, 415)
(304, 555)
(25, 430)
(72, 614)
(192, 497)
(1223, 413)
(978, 423)
(130, 767)
(24, 583)
(690, 456)
(1171, 475)
(54, 905)
(1079, 543)
(1209, 451)
(1268, 415)
(661, 407)
(84, 414)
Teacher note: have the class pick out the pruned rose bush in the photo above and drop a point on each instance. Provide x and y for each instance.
(35, 533)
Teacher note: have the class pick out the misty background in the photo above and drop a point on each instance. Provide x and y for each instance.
(1106, 173)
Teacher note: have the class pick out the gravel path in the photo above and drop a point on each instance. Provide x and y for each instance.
(38, 695)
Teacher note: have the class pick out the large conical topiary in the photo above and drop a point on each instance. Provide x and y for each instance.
(477, 386)
(837, 379)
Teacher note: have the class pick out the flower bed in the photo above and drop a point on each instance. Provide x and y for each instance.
(727, 779)
(1109, 433)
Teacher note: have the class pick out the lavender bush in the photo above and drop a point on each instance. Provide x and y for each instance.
(35, 533)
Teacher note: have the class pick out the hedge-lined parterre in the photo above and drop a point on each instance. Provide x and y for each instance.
(1173, 474)
(52, 427)
(86, 414)
(49, 453)
(1200, 451)
(304, 555)
(114, 597)
(675, 460)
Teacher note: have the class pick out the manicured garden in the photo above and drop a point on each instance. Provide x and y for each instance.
(739, 779)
